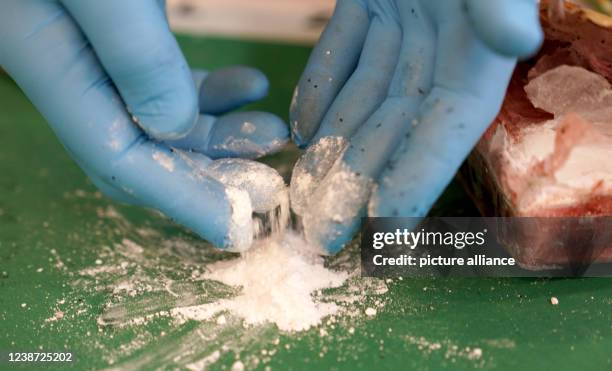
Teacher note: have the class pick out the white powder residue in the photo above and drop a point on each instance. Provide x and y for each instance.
(247, 128)
(248, 148)
(575, 96)
(340, 197)
(238, 366)
(278, 280)
(554, 300)
(266, 189)
(265, 186)
(241, 223)
(311, 168)
(164, 160)
(204, 362)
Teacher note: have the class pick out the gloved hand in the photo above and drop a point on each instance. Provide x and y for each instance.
(394, 97)
(112, 82)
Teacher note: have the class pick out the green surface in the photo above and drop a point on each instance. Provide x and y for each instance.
(52, 218)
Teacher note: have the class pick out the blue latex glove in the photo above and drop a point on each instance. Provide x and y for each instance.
(86, 63)
(400, 90)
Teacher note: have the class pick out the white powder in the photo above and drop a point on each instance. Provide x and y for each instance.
(554, 300)
(325, 192)
(311, 168)
(241, 224)
(278, 280)
(246, 147)
(266, 190)
(248, 128)
(238, 366)
(265, 186)
(475, 353)
(164, 160)
(338, 199)
(204, 362)
(570, 93)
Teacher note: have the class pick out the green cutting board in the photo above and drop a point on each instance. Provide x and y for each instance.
(56, 230)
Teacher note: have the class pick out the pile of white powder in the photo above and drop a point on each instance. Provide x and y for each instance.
(279, 278)
(280, 275)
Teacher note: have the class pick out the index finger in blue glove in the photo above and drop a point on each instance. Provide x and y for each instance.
(331, 63)
(134, 43)
(91, 121)
(469, 85)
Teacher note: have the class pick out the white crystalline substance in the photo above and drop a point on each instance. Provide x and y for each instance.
(311, 168)
(264, 185)
(241, 223)
(582, 91)
(265, 189)
(247, 146)
(278, 280)
(338, 199)
(561, 91)
(554, 300)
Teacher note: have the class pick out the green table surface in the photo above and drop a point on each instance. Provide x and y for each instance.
(54, 225)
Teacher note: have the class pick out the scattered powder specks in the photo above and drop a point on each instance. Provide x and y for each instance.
(164, 160)
(247, 128)
(370, 312)
(204, 362)
(475, 353)
(449, 349)
(554, 300)
(238, 366)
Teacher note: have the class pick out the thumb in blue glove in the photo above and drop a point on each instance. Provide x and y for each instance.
(393, 98)
(85, 64)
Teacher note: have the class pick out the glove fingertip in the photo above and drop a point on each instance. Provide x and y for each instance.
(229, 88)
(171, 116)
(510, 27)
